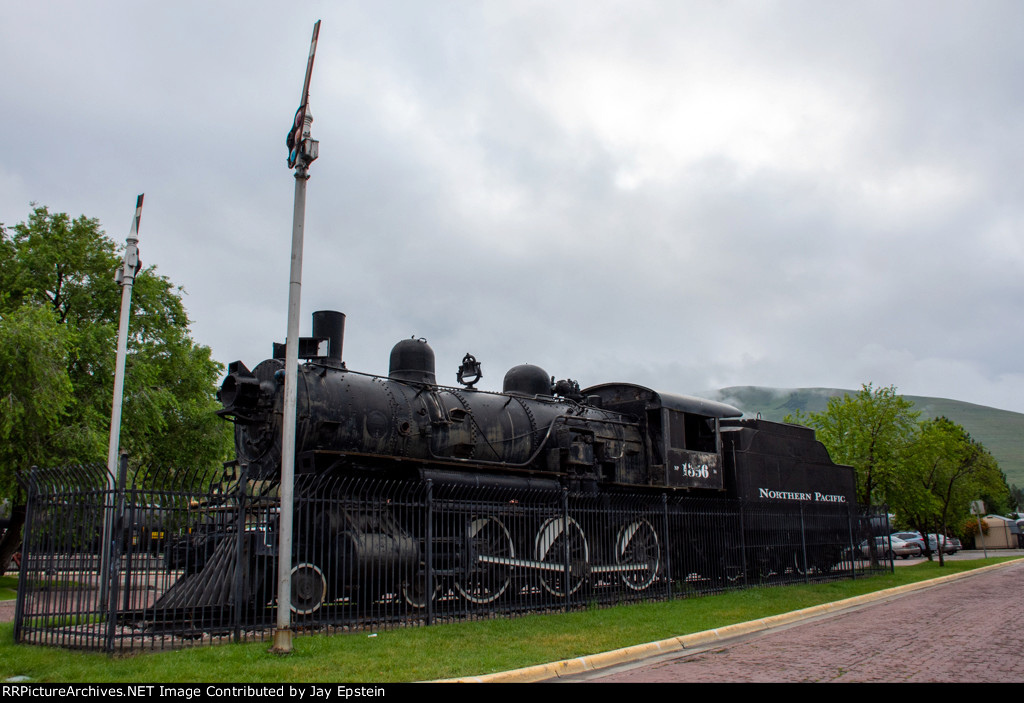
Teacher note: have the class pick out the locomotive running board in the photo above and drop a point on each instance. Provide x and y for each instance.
(549, 566)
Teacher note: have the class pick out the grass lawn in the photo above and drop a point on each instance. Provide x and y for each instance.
(444, 651)
(8, 587)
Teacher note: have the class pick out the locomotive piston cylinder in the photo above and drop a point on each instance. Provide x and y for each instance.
(369, 556)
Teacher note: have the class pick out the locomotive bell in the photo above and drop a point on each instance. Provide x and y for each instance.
(527, 379)
(412, 360)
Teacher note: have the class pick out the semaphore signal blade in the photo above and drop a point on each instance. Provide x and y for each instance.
(295, 134)
(138, 216)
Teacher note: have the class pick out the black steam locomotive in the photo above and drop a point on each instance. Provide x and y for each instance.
(537, 434)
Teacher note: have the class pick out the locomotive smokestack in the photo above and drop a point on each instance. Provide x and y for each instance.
(330, 325)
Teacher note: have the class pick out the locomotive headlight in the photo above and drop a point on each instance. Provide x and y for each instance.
(240, 391)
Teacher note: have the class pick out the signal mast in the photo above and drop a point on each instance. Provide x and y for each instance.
(302, 151)
(125, 277)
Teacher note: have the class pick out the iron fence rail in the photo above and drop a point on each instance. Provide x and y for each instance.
(193, 561)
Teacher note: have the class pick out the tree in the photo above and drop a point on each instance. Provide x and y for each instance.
(869, 431)
(59, 311)
(36, 388)
(1016, 500)
(926, 472)
(945, 470)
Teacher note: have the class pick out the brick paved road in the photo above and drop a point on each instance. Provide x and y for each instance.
(965, 631)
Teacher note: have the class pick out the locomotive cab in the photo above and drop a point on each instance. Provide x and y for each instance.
(682, 435)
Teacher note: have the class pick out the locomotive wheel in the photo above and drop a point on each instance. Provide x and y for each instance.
(482, 581)
(414, 592)
(762, 566)
(309, 588)
(637, 544)
(732, 573)
(550, 547)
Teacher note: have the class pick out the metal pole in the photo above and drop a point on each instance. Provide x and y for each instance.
(126, 278)
(565, 552)
(242, 496)
(303, 150)
(668, 547)
(852, 542)
(743, 545)
(428, 551)
(888, 540)
(283, 634)
(803, 545)
(113, 575)
(27, 544)
(977, 508)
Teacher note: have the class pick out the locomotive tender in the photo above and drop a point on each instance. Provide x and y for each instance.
(605, 440)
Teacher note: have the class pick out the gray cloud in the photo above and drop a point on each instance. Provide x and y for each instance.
(686, 195)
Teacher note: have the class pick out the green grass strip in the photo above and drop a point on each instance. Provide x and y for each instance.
(446, 651)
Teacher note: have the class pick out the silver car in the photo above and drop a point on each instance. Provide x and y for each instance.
(889, 547)
(935, 540)
(912, 537)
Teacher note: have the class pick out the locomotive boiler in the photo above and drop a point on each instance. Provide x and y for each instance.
(405, 424)
(536, 434)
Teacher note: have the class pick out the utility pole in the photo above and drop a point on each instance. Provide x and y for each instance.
(302, 151)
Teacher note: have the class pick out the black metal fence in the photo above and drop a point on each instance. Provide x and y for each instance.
(176, 559)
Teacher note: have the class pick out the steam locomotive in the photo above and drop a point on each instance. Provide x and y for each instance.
(536, 434)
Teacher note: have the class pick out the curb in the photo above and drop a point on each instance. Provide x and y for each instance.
(625, 655)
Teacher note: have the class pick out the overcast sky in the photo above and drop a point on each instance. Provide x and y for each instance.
(686, 195)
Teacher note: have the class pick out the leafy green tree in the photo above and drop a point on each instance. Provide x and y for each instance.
(59, 312)
(993, 489)
(870, 431)
(34, 348)
(926, 472)
(1016, 499)
(945, 470)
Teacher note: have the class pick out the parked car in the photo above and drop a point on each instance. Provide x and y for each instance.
(935, 540)
(912, 538)
(891, 547)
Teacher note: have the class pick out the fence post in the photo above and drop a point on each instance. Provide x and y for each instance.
(852, 542)
(567, 552)
(803, 545)
(668, 546)
(111, 576)
(26, 542)
(888, 539)
(238, 600)
(132, 541)
(743, 546)
(428, 553)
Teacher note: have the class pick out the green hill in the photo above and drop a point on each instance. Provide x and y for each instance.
(1001, 431)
